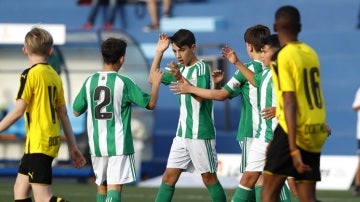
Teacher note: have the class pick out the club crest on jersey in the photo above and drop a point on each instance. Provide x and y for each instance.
(236, 85)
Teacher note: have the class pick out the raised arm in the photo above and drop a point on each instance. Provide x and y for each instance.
(231, 56)
(155, 81)
(162, 45)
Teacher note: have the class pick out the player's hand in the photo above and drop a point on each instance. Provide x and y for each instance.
(268, 113)
(298, 163)
(328, 129)
(175, 71)
(229, 54)
(180, 87)
(156, 76)
(163, 42)
(77, 158)
(218, 76)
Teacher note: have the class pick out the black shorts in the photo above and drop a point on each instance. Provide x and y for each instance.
(279, 161)
(37, 167)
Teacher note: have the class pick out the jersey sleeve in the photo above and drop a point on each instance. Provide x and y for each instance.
(80, 102)
(234, 85)
(25, 86)
(135, 94)
(167, 78)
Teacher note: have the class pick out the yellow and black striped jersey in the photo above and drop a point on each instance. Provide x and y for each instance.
(296, 68)
(41, 88)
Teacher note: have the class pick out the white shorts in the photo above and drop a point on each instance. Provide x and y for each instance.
(256, 155)
(115, 170)
(193, 155)
(245, 146)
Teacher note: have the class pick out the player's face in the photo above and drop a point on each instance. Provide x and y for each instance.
(266, 53)
(185, 55)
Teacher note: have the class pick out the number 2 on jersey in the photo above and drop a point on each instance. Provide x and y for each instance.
(102, 96)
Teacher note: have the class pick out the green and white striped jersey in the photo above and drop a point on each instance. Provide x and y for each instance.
(108, 97)
(196, 120)
(249, 114)
(267, 98)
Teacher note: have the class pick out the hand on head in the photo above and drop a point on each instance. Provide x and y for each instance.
(163, 43)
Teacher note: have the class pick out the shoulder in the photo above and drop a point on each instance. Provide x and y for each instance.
(25, 72)
(202, 64)
(254, 65)
(125, 79)
(202, 68)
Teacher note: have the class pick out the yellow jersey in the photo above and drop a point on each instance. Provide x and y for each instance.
(296, 68)
(41, 88)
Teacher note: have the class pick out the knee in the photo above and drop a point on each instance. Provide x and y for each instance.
(169, 179)
(249, 179)
(209, 178)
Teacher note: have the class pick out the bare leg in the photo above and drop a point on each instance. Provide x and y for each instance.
(209, 178)
(357, 180)
(272, 185)
(292, 186)
(306, 191)
(153, 12)
(22, 187)
(171, 176)
(42, 192)
(166, 8)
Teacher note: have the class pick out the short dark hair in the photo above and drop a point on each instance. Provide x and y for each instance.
(112, 49)
(183, 37)
(254, 34)
(288, 18)
(271, 40)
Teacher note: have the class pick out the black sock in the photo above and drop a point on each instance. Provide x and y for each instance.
(24, 200)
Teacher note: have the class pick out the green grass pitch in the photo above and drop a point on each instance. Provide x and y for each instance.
(75, 192)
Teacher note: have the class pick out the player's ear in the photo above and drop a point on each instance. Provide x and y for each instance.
(274, 27)
(25, 51)
(122, 60)
(50, 52)
(193, 48)
(249, 47)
